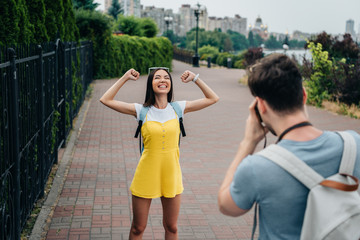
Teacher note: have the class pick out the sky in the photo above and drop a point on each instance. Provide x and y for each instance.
(309, 16)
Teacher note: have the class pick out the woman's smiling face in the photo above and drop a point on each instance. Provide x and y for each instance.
(161, 82)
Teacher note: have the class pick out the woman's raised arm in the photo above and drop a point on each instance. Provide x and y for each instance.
(210, 96)
(108, 98)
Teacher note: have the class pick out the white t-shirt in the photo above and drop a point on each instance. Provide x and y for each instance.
(160, 115)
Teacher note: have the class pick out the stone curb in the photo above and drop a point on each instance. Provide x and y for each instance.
(43, 220)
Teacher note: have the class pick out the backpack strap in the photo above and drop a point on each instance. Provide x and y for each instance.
(305, 174)
(349, 154)
(178, 111)
(292, 164)
(143, 112)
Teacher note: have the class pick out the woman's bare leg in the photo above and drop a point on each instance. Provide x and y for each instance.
(141, 208)
(171, 209)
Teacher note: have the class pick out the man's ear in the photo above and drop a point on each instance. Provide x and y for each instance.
(304, 96)
(261, 105)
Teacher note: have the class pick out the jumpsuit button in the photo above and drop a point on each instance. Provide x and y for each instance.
(163, 130)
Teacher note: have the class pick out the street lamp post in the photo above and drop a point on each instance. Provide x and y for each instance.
(168, 20)
(286, 43)
(196, 57)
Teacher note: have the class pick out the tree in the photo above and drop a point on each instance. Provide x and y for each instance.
(346, 48)
(128, 25)
(54, 19)
(324, 39)
(222, 41)
(93, 25)
(85, 4)
(239, 41)
(273, 43)
(115, 9)
(258, 40)
(9, 28)
(251, 39)
(71, 30)
(148, 27)
(27, 30)
(228, 45)
(296, 43)
(37, 14)
(208, 51)
(170, 35)
(96, 27)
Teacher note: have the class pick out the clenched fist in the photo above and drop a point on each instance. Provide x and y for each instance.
(187, 76)
(132, 74)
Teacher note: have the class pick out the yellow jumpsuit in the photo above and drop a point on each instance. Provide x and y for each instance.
(158, 173)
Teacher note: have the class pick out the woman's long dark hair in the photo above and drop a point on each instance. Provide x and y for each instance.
(150, 94)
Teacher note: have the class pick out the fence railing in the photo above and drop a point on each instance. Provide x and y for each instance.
(42, 88)
(183, 55)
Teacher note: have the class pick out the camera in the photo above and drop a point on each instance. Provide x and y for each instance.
(258, 114)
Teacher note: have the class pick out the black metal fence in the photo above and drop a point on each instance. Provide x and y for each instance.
(42, 88)
(183, 55)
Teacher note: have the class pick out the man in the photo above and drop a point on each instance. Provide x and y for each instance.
(280, 98)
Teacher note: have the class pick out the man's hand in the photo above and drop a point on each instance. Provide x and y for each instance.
(187, 76)
(132, 74)
(254, 131)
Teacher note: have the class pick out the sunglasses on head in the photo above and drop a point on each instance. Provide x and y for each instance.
(156, 68)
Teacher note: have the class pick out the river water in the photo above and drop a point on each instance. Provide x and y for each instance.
(298, 54)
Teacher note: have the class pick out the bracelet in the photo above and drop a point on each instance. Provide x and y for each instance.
(196, 77)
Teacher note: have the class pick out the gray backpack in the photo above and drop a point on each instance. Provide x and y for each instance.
(333, 204)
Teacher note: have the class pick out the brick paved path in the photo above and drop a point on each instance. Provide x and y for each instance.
(95, 202)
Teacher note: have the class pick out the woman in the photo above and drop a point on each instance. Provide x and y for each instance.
(158, 173)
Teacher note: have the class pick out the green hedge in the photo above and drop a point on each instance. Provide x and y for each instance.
(125, 52)
(36, 21)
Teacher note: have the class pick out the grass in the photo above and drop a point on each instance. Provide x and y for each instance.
(30, 222)
(342, 109)
(244, 80)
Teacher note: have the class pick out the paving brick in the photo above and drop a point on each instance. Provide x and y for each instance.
(95, 202)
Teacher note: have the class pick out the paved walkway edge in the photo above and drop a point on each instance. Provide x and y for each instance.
(44, 218)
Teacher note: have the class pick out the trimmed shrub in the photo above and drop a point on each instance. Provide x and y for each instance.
(222, 58)
(125, 52)
(96, 27)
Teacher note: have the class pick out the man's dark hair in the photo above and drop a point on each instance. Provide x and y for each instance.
(278, 81)
(150, 94)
